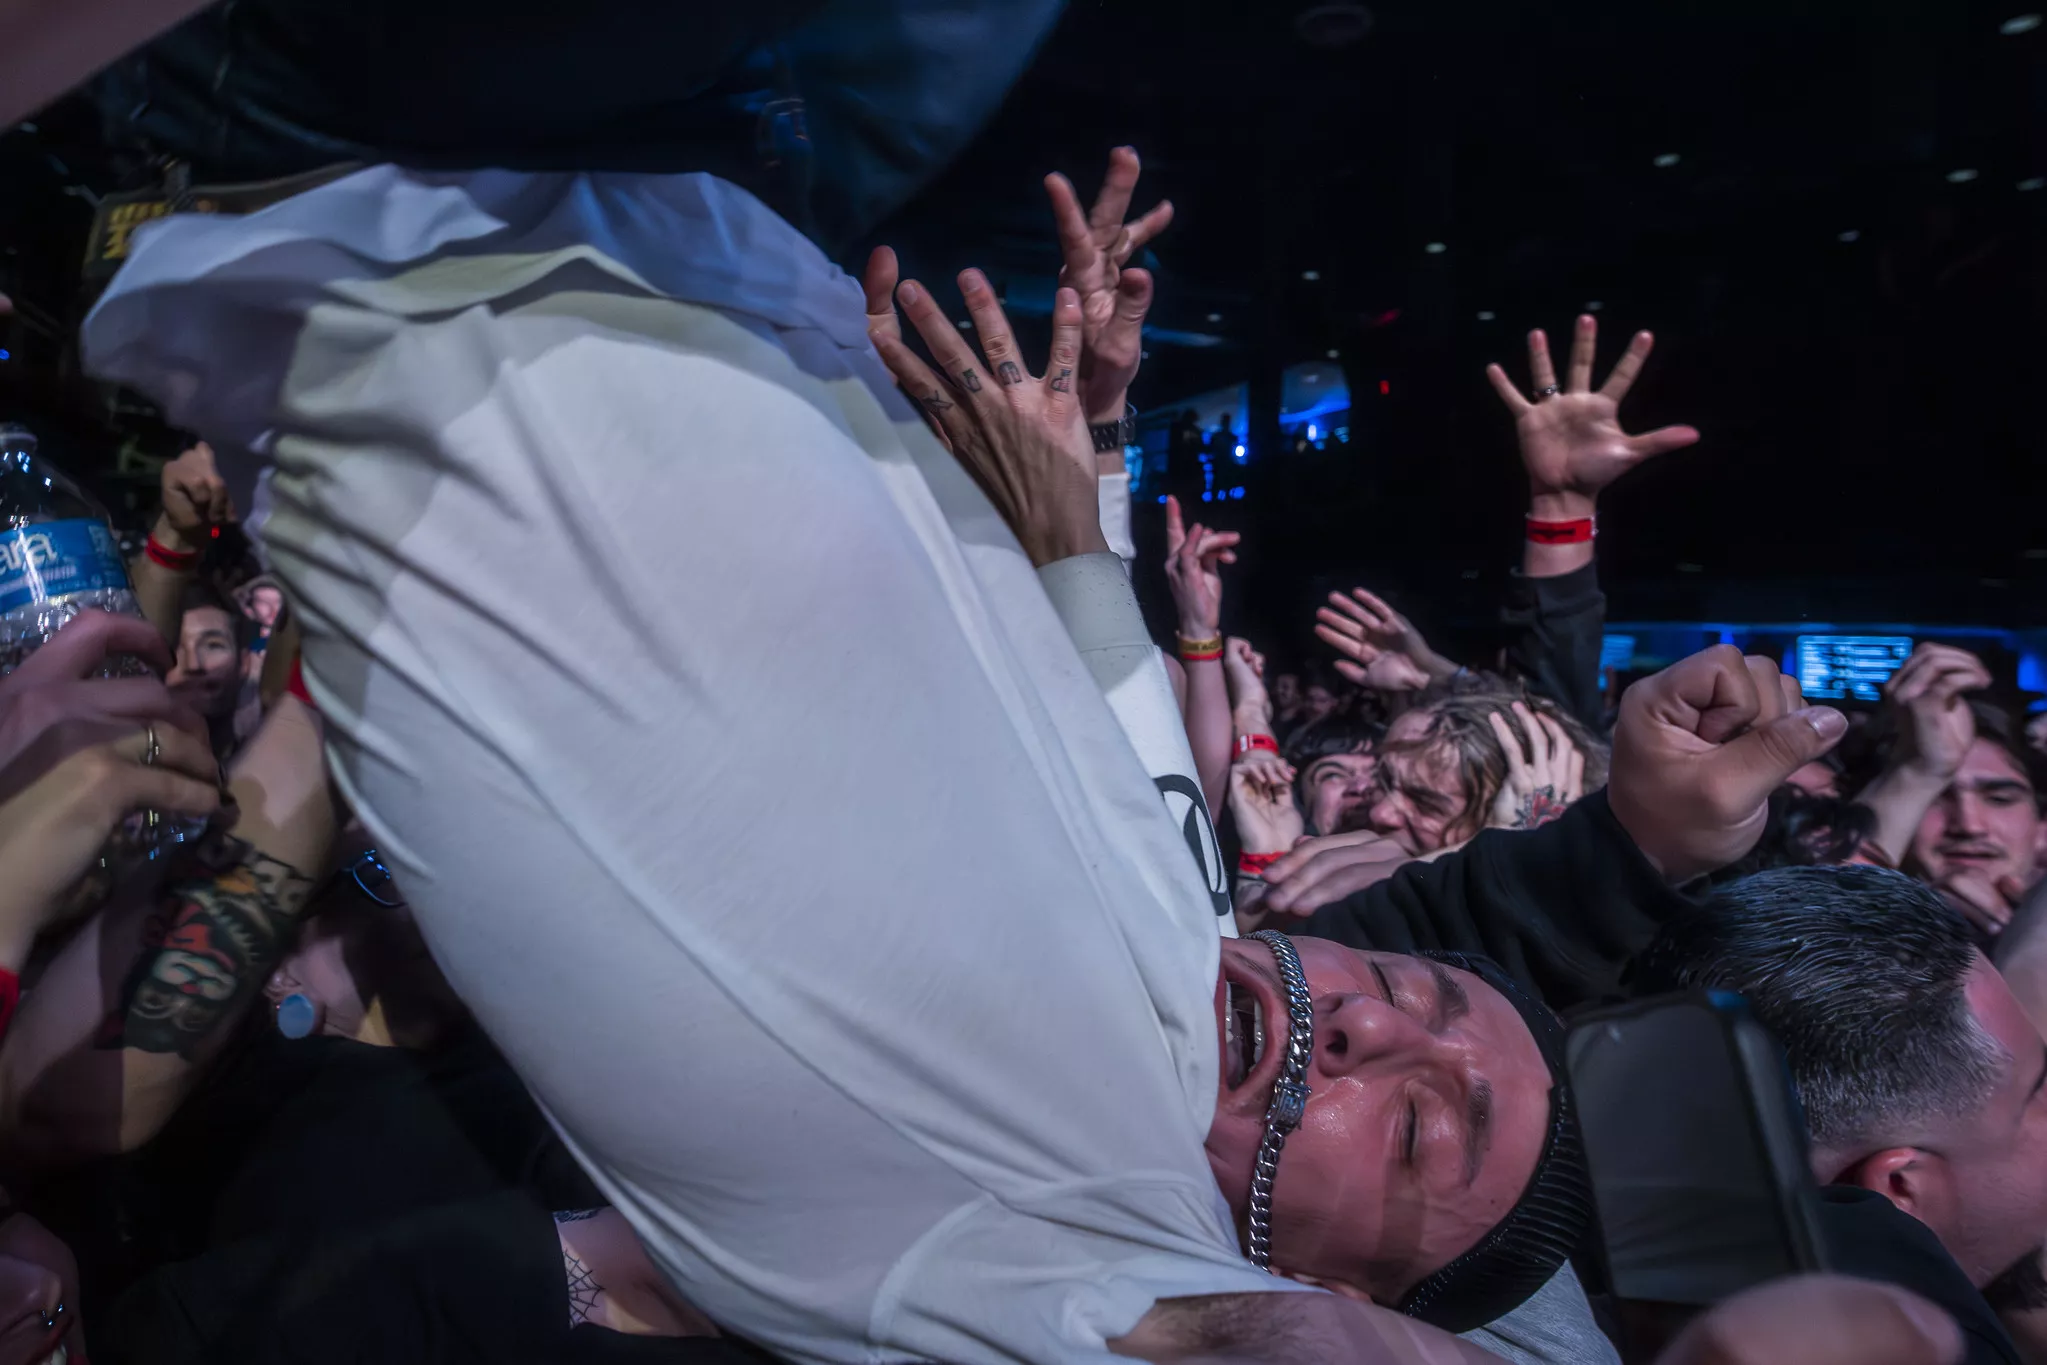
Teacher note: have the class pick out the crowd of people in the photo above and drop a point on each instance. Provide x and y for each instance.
(686, 848)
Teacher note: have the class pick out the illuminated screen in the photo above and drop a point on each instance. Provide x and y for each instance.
(1836, 667)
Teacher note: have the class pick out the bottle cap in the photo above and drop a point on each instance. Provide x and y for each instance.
(296, 1016)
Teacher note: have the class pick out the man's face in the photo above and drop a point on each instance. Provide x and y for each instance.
(264, 605)
(1986, 825)
(208, 672)
(1286, 691)
(1427, 1109)
(1336, 786)
(1418, 795)
(1996, 1157)
(1317, 702)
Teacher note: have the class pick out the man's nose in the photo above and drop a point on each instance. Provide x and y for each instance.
(1965, 815)
(1355, 1030)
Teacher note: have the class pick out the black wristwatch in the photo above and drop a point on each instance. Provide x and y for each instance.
(1115, 435)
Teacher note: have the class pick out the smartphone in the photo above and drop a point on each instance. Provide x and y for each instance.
(1697, 1148)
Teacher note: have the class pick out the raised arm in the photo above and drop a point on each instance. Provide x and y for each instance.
(1194, 559)
(195, 500)
(1572, 448)
(123, 1022)
(1929, 704)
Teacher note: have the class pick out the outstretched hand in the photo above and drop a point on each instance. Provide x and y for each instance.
(1698, 749)
(1021, 436)
(1572, 444)
(1381, 649)
(1114, 299)
(195, 499)
(1194, 560)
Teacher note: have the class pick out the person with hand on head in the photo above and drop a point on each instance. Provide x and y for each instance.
(1572, 448)
(195, 503)
(1381, 650)
(1194, 559)
(1956, 804)
(1545, 769)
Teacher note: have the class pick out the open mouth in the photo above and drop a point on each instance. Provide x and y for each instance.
(1244, 1032)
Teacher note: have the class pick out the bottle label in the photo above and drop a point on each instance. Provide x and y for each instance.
(57, 559)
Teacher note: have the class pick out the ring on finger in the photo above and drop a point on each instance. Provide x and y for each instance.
(1547, 391)
(154, 749)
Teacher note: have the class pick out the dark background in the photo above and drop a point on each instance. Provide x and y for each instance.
(1873, 450)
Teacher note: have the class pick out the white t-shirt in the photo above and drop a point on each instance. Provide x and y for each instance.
(743, 778)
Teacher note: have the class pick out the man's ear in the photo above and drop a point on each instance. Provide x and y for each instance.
(1915, 1180)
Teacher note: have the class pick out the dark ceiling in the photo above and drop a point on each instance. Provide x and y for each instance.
(1858, 327)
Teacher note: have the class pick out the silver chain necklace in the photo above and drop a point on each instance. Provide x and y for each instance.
(1289, 1093)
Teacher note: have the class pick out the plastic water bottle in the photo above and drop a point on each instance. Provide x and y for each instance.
(58, 557)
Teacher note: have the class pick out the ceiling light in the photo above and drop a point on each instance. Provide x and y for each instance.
(1487, 315)
(1852, 235)
(2031, 183)
(1962, 176)
(1594, 306)
(1311, 275)
(964, 325)
(1336, 355)
(1311, 379)
(1666, 161)
(1436, 248)
(1215, 317)
(2019, 23)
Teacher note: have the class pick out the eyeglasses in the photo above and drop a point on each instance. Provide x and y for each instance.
(373, 879)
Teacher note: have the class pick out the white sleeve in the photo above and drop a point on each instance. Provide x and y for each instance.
(1095, 602)
(1112, 496)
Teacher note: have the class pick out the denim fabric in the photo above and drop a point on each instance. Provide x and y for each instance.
(832, 111)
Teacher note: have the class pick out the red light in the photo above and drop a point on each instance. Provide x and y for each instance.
(216, 533)
(1385, 387)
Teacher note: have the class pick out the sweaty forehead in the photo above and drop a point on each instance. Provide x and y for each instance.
(1988, 762)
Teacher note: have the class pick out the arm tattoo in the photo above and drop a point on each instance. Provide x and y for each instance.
(1009, 372)
(1063, 381)
(584, 1291)
(970, 381)
(223, 929)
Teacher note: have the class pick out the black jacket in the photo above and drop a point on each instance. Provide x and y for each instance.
(1562, 908)
(1555, 627)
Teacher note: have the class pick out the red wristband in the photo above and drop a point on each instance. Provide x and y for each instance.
(1578, 532)
(1199, 656)
(1246, 743)
(10, 997)
(1254, 864)
(177, 561)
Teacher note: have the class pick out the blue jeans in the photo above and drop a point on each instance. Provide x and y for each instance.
(832, 111)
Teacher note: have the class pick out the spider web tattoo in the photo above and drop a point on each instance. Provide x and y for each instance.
(584, 1291)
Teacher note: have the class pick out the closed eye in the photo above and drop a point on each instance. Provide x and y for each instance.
(1414, 1126)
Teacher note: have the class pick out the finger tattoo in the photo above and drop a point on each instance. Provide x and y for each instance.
(1063, 381)
(970, 381)
(936, 401)
(1009, 372)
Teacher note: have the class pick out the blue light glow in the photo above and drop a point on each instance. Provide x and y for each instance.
(1207, 496)
(6, 355)
(1313, 433)
(1240, 452)
(1162, 499)
(1237, 493)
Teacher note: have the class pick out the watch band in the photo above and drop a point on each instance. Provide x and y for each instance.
(1115, 435)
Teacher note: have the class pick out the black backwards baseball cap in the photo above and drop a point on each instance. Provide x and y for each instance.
(1555, 1214)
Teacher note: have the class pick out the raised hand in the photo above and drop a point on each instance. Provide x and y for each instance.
(1021, 436)
(1928, 697)
(1545, 770)
(195, 500)
(1262, 799)
(1097, 246)
(1572, 444)
(1194, 560)
(1381, 649)
(1697, 751)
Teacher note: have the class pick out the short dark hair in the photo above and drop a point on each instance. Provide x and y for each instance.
(1860, 974)
(2008, 732)
(200, 596)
